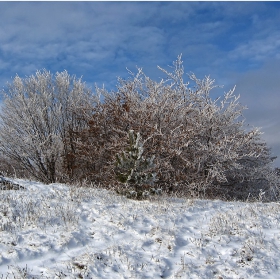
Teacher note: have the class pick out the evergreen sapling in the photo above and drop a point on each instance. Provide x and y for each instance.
(134, 170)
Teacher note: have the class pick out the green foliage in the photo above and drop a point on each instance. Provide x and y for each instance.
(132, 168)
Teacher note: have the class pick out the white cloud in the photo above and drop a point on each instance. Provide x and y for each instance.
(258, 49)
(259, 90)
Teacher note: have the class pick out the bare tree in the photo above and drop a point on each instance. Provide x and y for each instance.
(36, 120)
(56, 128)
(199, 144)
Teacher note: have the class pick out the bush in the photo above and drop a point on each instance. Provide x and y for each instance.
(199, 144)
(55, 128)
(38, 115)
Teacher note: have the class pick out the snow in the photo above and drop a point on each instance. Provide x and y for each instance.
(60, 231)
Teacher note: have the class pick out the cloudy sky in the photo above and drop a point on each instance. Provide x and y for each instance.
(236, 43)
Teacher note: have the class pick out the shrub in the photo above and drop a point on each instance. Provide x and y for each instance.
(37, 118)
(199, 144)
(55, 128)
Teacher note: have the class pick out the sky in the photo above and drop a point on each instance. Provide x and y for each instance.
(236, 43)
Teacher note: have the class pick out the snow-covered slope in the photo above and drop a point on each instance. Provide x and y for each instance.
(56, 231)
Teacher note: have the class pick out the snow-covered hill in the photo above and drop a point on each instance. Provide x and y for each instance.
(57, 231)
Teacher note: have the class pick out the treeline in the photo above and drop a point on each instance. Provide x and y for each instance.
(55, 128)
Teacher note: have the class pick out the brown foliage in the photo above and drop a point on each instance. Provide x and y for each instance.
(198, 143)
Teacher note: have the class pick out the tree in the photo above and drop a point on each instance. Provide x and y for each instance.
(199, 144)
(132, 169)
(37, 117)
(56, 128)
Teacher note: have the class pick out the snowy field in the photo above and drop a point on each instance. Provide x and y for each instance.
(56, 231)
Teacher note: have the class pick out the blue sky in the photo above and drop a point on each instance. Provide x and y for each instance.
(236, 43)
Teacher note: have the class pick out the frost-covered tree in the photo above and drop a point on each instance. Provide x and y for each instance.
(132, 168)
(37, 118)
(200, 144)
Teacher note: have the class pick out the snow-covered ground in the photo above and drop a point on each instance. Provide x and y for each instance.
(56, 231)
